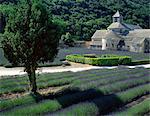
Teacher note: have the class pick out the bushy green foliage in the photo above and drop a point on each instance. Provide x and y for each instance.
(31, 35)
(108, 55)
(36, 27)
(139, 62)
(90, 55)
(104, 60)
(84, 17)
(75, 58)
(125, 60)
(67, 39)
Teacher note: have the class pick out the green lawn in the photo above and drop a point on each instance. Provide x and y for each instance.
(92, 92)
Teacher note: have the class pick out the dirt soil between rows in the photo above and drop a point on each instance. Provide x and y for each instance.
(45, 92)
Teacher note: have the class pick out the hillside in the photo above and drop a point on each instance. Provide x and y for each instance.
(83, 17)
(86, 16)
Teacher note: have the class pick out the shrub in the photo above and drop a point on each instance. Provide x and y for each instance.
(109, 61)
(90, 55)
(125, 60)
(92, 61)
(104, 60)
(138, 62)
(108, 55)
(75, 58)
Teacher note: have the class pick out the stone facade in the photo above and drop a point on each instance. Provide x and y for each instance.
(122, 36)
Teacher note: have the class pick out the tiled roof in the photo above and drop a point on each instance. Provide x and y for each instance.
(131, 27)
(116, 25)
(144, 33)
(106, 34)
(112, 35)
(99, 34)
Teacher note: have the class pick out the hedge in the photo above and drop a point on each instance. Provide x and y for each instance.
(90, 55)
(108, 55)
(138, 62)
(104, 60)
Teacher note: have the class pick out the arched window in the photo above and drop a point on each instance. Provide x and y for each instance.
(121, 45)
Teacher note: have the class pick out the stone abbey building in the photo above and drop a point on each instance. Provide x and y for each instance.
(122, 36)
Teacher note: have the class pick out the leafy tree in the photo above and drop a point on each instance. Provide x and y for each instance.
(31, 35)
(86, 13)
(67, 39)
(81, 14)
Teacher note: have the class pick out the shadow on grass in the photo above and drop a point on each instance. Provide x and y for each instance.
(72, 96)
(104, 103)
(67, 91)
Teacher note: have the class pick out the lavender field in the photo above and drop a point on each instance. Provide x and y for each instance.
(74, 50)
(94, 92)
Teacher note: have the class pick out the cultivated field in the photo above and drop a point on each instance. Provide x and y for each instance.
(94, 92)
(135, 56)
(74, 50)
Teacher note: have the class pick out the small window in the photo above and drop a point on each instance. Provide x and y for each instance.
(112, 45)
(115, 19)
(121, 30)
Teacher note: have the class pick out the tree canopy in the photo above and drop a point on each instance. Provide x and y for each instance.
(31, 35)
(84, 17)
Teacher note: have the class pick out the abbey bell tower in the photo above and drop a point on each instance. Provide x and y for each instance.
(117, 17)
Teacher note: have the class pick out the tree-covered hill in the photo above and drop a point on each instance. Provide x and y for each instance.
(83, 17)
(6, 1)
(86, 16)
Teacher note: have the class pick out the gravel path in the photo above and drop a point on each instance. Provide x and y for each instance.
(72, 68)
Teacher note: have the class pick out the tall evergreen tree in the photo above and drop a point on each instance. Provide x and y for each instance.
(30, 36)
